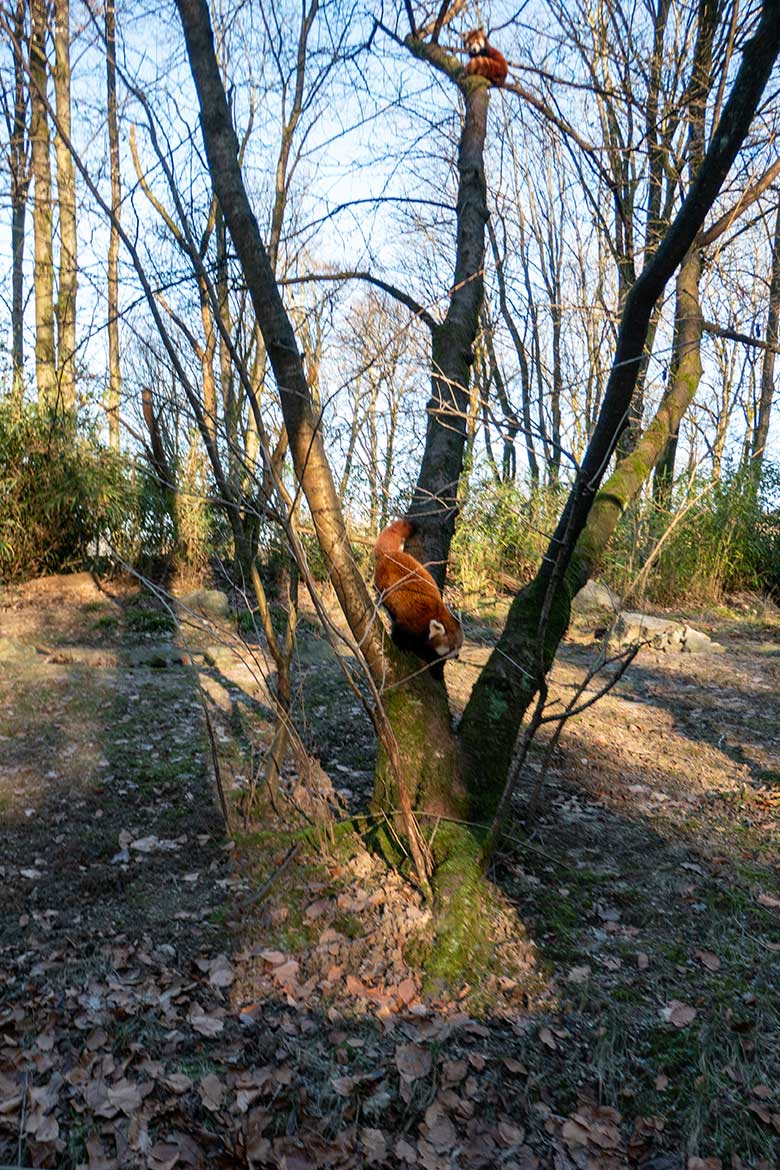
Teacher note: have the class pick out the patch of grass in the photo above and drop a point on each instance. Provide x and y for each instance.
(142, 616)
(348, 924)
(108, 621)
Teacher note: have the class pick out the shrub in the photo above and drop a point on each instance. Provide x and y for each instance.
(502, 532)
(722, 538)
(57, 493)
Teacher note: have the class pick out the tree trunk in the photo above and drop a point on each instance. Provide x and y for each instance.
(768, 366)
(431, 763)
(114, 368)
(43, 271)
(20, 182)
(434, 505)
(66, 196)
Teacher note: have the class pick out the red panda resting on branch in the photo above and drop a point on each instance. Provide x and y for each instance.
(484, 60)
(422, 624)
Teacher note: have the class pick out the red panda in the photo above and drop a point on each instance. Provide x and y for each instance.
(484, 59)
(422, 624)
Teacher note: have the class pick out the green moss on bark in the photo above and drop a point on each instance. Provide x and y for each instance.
(464, 907)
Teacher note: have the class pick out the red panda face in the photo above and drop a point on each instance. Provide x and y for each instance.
(442, 642)
(475, 41)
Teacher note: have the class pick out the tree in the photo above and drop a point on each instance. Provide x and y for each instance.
(66, 199)
(114, 368)
(466, 776)
(46, 374)
(19, 165)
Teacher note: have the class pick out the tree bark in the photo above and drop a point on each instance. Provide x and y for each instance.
(19, 162)
(66, 197)
(435, 501)
(114, 367)
(768, 366)
(43, 271)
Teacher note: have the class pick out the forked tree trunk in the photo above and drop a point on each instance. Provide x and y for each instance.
(540, 614)
(43, 271)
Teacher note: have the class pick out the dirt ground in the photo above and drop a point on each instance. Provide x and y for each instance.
(161, 1005)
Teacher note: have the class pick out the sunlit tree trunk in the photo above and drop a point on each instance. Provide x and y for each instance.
(114, 368)
(43, 271)
(19, 163)
(66, 198)
(768, 366)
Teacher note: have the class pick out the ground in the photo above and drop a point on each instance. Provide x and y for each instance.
(175, 992)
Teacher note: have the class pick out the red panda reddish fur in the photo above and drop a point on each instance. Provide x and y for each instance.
(484, 60)
(422, 624)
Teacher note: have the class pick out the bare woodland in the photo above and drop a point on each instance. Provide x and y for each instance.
(280, 274)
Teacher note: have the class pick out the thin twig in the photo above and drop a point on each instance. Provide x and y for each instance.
(258, 894)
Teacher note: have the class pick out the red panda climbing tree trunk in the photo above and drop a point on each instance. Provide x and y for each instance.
(460, 777)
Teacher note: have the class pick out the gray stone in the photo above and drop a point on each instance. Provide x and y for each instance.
(595, 595)
(211, 603)
(14, 650)
(662, 633)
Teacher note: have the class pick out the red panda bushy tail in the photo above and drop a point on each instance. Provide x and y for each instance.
(392, 540)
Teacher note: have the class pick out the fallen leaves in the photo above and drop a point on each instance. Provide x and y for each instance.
(677, 1013)
(413, 1061)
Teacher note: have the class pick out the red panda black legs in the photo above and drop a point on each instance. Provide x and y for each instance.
(422, 624)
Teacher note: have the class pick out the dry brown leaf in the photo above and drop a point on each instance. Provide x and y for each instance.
(405, 1150)
(661, 1082)
(373, 1144)
(97, 1157)
(678, 1013)
(212, 1091)
(407, 990)
(126, 1096)
(769, 900)
(547, 1038)
(178, 1082)
(222, 973)
(510, 1134)
(760, 1111)
(208, 1024)
(453, 1071)
(709, 960)
(438, 1129)
(412, 1061)
(705, 1164)
(574, 1134)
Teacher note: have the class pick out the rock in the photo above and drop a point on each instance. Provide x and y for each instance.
(211, 603)
(662, 633)
(595, 595)
(14, 650)
(160, 656)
